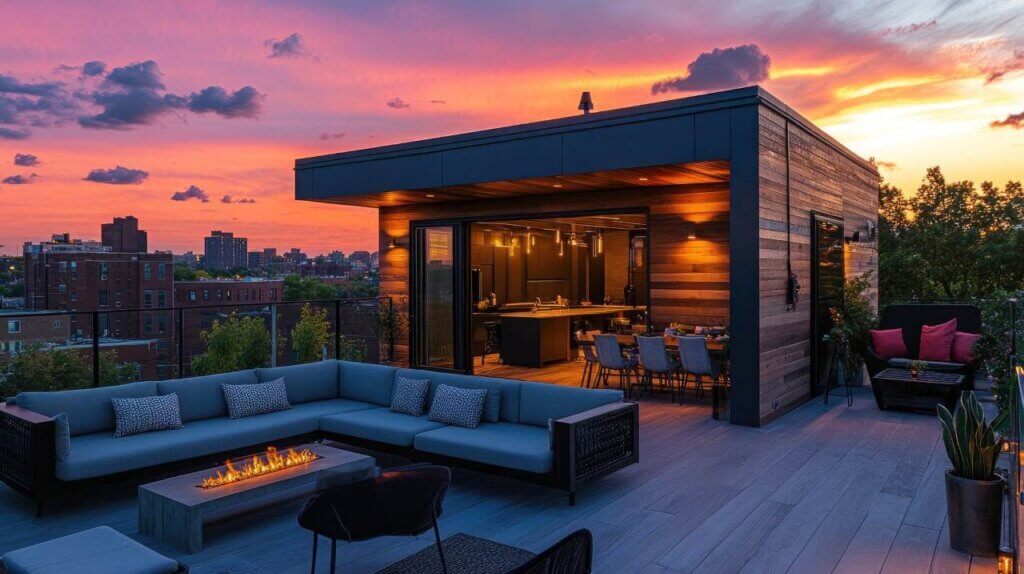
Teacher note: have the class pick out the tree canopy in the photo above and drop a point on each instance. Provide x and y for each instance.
(950, 240)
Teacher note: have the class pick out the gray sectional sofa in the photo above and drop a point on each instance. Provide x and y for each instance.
(591, 433)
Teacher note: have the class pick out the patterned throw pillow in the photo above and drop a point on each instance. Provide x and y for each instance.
(259, 399)
(409, 395)
(459, 407)
(145, 414)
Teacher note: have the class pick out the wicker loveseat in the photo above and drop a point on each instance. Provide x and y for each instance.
(593, 432)
(910, 318)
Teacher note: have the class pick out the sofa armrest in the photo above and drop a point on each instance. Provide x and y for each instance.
(873, 362)
(596, 443)
(27, 450)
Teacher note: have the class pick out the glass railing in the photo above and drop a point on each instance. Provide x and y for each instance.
(57, 350)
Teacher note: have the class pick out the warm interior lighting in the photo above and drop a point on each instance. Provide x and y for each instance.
(558, 236)
(561, 249)
(642, 178)
(558, 185)
(1004, 565)
(431, 196)
(258, 465)
(393, 244)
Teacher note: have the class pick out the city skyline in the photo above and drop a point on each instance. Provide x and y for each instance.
(190, 117)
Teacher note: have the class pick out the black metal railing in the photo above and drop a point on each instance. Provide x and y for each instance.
(1014, 528)
(55, 350)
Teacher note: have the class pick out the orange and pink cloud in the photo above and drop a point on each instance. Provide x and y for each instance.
(222, 97)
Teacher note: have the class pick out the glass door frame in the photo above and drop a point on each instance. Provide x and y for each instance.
(463, 312)
(817, 358)
(460, 290)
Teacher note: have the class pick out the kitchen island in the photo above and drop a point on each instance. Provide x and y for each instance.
(534, 338)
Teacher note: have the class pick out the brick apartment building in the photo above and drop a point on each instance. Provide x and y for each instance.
(222, 250)
(206, 300)
(124, 236)
(21, 329)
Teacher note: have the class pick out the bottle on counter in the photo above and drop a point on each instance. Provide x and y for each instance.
(494, 299)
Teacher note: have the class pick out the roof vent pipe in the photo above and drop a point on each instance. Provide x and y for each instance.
(586, 104)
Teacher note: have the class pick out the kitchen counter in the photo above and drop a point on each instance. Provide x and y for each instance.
(591, 311)
(531, 339)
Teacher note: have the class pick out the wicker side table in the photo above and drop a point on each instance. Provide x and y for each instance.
(896, 388)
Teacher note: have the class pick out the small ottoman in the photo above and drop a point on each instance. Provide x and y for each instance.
(100, 550)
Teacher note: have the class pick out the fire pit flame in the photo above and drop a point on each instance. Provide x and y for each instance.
(258, 465)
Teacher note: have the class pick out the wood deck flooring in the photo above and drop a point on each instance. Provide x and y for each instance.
(822, 489)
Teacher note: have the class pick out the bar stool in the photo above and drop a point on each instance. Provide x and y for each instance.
(492, 341)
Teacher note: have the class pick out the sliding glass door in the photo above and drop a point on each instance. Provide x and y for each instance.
(437, 298)
(827, 278)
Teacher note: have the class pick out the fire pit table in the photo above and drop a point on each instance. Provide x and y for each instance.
(173, 510)
(898, 388)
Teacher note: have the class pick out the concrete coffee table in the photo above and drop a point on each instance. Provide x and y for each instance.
(173, 510)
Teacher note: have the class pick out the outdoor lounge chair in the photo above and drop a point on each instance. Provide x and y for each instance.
(910, 318)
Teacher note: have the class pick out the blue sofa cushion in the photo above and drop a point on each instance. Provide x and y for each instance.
(508, 445)
(378, 424)
(408, 396)
(88, 410)
(100, 550)
(459, 407)
(146, 414)
(539, 402)
(365, 382)
(62, 436)
(101, 454)
(259, 399)
(307, 382)
(201, 397)
(492, 402)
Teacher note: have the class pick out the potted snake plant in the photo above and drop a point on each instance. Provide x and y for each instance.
(974, 491)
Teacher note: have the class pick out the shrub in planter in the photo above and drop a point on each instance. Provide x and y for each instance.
(974, 492)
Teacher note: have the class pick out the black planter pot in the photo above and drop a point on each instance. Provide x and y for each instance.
(975, 509)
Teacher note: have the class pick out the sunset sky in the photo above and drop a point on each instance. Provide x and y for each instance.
(118, 107)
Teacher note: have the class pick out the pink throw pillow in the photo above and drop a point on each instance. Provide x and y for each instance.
(963, 347)
(937, 341)
(888, 343)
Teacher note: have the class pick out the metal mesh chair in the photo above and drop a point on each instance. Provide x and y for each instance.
(573, 554)
(404, 501)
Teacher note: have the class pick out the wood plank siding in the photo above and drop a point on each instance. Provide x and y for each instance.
(689, 277)
(823, 180)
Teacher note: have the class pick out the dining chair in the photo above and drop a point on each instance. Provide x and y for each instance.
(404, 501)
(657, 363)
(611, 359)
(696, 361)
(586, 346)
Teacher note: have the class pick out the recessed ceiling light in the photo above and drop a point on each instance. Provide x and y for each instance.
(558, 185)
(431, 196)
(643, 179)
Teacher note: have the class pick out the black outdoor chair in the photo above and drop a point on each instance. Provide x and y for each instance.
(573, 554)
(403, 501)
(910, 318)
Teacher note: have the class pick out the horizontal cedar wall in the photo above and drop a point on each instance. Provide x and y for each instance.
(689, 277)
(825, 181)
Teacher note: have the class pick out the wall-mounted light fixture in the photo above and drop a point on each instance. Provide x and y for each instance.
(872, 231)
(393, 243)
(690, 229)
(853, 237)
